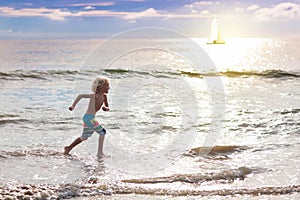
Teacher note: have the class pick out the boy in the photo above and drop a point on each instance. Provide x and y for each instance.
(100, 89)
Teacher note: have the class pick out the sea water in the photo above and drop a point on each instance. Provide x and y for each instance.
(163, 111)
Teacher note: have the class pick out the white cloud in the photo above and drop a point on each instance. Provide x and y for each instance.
(253, 7)
(284, 10)
(107, 3)
(239, 10)
(61, 14)
(54, 14)
(132, 16)
(89, 8)
(191, 6)
(150, 12)
(205, 12)
(201, 7)
(58, 14)
(201, 4)
(204, 3)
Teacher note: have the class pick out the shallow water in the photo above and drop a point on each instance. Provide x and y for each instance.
(162, 110)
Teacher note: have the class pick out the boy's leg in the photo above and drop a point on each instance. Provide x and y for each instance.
(75, 143)
(100, 153)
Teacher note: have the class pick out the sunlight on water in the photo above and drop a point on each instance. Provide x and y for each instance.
(248, 54)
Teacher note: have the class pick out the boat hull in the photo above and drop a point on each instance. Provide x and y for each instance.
(216, 42)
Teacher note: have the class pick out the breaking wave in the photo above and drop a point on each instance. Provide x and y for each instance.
(69, 74)
(94, 185)
(35, 74)
(16, 119)
(67, 191)
(226, 175)
(237, 74)
(215, 150)
(36, 152)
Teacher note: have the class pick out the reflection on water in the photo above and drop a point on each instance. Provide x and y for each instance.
(253, 54)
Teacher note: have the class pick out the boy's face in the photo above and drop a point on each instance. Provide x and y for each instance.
(106, 87)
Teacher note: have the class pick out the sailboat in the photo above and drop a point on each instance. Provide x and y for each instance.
(215, 36)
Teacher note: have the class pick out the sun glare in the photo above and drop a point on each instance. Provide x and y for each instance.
(238, 54)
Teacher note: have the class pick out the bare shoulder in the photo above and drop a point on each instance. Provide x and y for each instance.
(87, 95)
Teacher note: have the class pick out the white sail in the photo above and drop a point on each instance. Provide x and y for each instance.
(215, 37)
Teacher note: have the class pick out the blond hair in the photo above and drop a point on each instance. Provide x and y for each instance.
(98, 83)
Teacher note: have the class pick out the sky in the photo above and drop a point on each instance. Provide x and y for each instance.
(101, 19)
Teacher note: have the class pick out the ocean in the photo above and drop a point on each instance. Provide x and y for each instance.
(187, 120)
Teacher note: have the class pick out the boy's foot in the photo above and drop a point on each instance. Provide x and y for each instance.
(67, 150)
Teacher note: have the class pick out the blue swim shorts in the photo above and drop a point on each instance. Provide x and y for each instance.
(90, 124)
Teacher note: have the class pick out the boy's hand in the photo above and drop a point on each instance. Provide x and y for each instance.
(104, 108)
(71, 108)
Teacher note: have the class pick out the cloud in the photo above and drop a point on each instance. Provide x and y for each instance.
(107, 3)
(239, 10)
(201, 4)
(89, 8)
(253, 7)
(59, 14)
(54, 14)
(150, 12)
(285, 10)
(133, 16)
(202, 8)
(205, 12)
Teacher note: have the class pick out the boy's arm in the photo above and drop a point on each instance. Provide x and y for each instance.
(106, 106)
(79, 97)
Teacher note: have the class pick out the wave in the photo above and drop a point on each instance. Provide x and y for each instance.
(67, 191)
(12, 121)
(71, 74)
(226, 175)
(244, 74)
(35, 74)
(215, 150)
(280, 190)
(16, 119)
(125, 71)
(37, 153)
(94, 185)
(8, 115)
(229, 73)
(288, 111)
